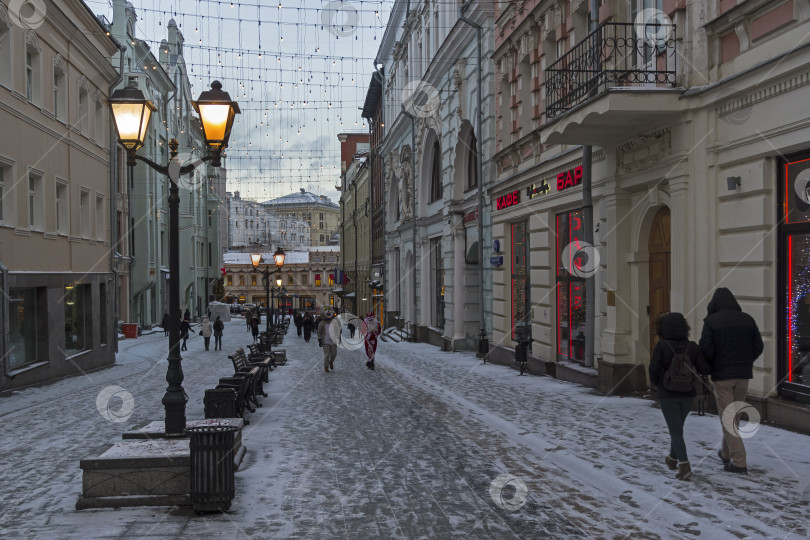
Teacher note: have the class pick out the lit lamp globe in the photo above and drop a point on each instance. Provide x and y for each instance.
(217, 113)
(255, 259)
(279, 256)
(131, 112)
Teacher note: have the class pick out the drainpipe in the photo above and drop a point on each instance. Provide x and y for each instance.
(587, 217)
(482, 338)
(113, 197)
(413, 211)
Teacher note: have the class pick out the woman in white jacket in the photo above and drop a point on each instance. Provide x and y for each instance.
(206, 331)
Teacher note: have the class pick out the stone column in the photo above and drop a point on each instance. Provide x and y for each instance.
(424, 280)
(458, 267)
(681, 254)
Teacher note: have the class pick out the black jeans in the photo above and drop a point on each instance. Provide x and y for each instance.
(218, 342)
(675, 412)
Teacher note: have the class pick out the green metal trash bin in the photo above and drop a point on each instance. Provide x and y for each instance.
(212, 481)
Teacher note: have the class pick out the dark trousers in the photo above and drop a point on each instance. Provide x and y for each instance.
(184, 348)
(207, 342)
(218, 342)
(675, 412)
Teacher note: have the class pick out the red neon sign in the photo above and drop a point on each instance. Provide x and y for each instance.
(510, 199)
(570, 178)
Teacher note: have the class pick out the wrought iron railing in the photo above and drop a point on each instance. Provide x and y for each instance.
(613, 55)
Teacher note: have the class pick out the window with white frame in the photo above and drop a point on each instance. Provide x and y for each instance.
(36, 216)
(5, 55)
(59, 89)
(84, 210)
(32, 74)
(62, 208)
(6, 197)
(99, 216)
(99, 117)
(84, 110)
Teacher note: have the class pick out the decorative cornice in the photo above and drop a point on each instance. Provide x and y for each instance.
(32, 40)
(59, 63)
(777, 89)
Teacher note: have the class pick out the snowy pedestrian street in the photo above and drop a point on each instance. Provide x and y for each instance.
(429, 445)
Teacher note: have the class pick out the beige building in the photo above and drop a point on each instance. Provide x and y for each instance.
(355, 235)
(322, 215)
(307, 276)
(700, 132)
(55, 194)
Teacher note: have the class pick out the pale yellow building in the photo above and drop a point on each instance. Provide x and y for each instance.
(322, 215)
(55, 189)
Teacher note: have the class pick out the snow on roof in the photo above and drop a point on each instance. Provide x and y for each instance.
(291, 257)
(305, 198)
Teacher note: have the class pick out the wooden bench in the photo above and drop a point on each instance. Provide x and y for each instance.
(242, 363)
(277, 357)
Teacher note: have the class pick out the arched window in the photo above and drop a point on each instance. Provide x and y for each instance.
(436, 173)
(472, 163)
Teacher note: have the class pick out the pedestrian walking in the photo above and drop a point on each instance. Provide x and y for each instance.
(308, 324)
(352, 329)
(298, 320)
(185, 325)
(165, 324)
(254, 328)
(218, 327)
(674, 368)
(326, 342)
(248, 319)
(372, 328)
(730, 342)
(187, 315)
(205, 331)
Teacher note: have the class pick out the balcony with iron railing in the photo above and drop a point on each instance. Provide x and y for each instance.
(621, 78)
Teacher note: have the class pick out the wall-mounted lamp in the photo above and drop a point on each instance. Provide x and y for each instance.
(733, 182)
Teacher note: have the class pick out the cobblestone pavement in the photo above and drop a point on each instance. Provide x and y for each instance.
(414, 449)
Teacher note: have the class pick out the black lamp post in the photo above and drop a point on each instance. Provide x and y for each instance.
(255, 260)
(132, 112)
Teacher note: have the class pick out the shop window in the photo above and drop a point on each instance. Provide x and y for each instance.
(570, 288)
(25, 311)
(794, 354)
(521, 286)
(77, 318)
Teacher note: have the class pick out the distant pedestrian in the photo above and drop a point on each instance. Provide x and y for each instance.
(218, 327)
(206, 331)
(308, 324)
(372, 328)
(248, 319)
(185, 326)
(352, 329)
(676, 397)
(326, 342)
(298, 320)
(254, 328)
(187, 315)
(731, 342)
(165, 324)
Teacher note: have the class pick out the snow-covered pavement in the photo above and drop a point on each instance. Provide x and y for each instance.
(419, 448)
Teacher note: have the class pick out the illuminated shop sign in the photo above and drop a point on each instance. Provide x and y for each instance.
(510, 199)
(569, 178)
(535, 190)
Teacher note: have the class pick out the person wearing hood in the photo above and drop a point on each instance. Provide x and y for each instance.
(673, 333)
(730, 342)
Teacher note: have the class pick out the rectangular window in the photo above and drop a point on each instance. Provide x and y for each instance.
(570, 288)
(317, 280)
(36, 217)
(290, 279)
(77, 318)
(253, 280)
(25, 311)
(99, 116)
(521, 288)
(242, 280)
(321, 216)
(210, 217)
(59, 108)
(29, 76)
(84, 213)
(100, 217)
(331, 280)
(83, 110)
(62, 206)
(3, 193)
(5, 56)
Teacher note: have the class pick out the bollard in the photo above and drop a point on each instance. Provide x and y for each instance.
(212, 481)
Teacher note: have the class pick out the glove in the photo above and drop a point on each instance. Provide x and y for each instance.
(320, 343)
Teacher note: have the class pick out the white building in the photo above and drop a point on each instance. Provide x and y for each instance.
(251, 224)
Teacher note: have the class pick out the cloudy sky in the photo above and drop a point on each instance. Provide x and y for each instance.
(299, 70)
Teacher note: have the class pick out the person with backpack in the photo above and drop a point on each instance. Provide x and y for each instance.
(675, 370)
(218, 327)
(731, 342)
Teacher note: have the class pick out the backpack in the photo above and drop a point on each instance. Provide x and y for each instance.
(680, 375)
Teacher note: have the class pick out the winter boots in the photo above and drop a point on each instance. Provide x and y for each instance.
(684, 471)
(671, 462)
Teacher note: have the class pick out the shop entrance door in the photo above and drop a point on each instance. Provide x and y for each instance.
(660, 269)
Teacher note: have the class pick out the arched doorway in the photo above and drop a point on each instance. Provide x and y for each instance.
(660, 268)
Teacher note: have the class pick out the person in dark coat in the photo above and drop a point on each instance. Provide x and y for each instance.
(673, 333)
(298, 320)
(308, 324)
(730, 342)
(187, 315)
(165, 324)
(185, 326)
(218, 327)
(254, 328)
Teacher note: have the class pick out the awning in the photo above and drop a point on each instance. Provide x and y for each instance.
(350, 295)
(338, 290)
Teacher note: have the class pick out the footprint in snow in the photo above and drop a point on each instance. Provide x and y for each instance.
(688, 528)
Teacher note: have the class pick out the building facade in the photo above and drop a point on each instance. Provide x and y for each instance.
(252, 225)
(438, 118)
(699, 169)
(56, 185)
(355, 233)
(307, 276)
(321, 214)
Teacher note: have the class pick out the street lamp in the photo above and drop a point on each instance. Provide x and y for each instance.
(132, 112)
(255, 260)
